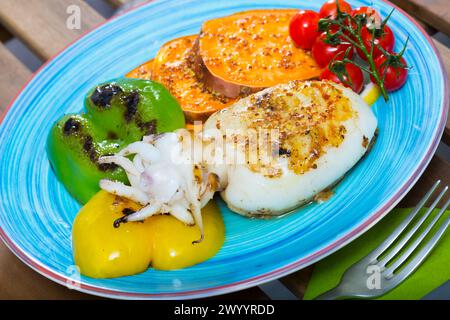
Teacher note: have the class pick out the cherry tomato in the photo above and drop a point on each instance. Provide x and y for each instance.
(303, 28)
(395, 75)
(323, 52)
(329, 8)
(355, 74)
(386, 40)
(372, 16)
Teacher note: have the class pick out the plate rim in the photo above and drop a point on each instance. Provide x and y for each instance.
(357, 231)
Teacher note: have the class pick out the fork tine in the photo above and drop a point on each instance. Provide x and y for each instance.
(421, 255)
(386, 243)
(389, 271)
(408, 236)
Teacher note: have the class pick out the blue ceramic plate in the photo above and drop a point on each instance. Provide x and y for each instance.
(36, 212)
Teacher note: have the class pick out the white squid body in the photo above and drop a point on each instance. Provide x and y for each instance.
(250, 192)
(171, 174)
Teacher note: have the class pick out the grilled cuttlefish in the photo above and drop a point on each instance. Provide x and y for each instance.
(287, 143)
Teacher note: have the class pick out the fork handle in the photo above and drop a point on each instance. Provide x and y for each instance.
(332, 294)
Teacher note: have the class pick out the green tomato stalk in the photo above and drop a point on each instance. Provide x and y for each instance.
(349, 29)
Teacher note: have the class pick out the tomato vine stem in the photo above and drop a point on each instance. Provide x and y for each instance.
(349, 29)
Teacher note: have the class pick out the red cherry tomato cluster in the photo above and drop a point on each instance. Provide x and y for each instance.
(354, 80)
(323, 52)
(383, 38)
(304, 31)
(373, 17)
(329, 8)
(303, 28)
(394, 76)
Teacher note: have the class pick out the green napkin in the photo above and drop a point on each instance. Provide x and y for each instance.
(432, 273)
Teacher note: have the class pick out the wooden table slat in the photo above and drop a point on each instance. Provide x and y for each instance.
(42, 24)
(4, 34)
(14, 75)
(435, 13)
(445, 54)
(18, 281)
(438, 169)
(118, 3)
(298, 281)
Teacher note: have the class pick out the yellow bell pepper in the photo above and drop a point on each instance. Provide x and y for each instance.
(102, 250)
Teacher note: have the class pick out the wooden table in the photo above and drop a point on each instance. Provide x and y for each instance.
(41, 25)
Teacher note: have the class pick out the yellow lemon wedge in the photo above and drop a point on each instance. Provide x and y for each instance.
(371, 93)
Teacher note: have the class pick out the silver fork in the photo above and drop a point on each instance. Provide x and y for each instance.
(371, 277)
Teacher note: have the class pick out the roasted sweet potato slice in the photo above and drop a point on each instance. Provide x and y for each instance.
(252, 50)
(144, 71)
(174, 68)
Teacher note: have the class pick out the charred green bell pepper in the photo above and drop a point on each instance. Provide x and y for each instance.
(116, 114)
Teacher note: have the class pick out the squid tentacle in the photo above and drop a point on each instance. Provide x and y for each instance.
(125, 163)
(146, 151)
(145, 212)
(122, 190)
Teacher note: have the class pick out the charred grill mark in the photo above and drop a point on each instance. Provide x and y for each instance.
(148, 127)
(283, 151)
(107, 166)
(88, 144)
(89, 148)
(102, 96)
(342, 131)
(263, 100)
(365, 142)
(71, 126)
(103, 166)
(372, 141)
(93, 155)
(131, 101)
(128, 211)
(112, 135)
